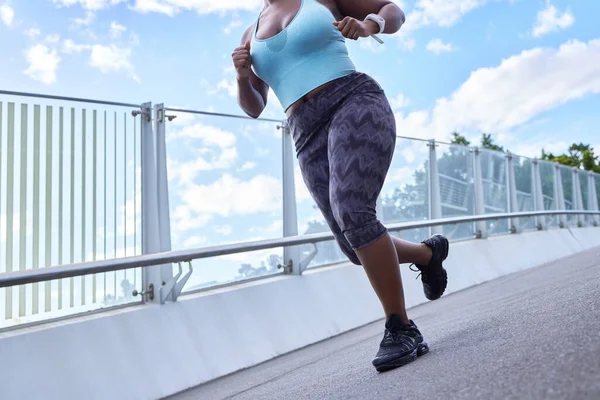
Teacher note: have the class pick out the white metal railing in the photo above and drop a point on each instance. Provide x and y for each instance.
(69, 192)
(109, 207)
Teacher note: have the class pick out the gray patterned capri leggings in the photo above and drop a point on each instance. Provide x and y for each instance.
(345, 137)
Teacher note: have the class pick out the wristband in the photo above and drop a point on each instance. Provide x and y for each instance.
(378, 20)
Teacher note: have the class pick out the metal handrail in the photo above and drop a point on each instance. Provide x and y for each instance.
(64, 98)
(214, 114)
(92, 267)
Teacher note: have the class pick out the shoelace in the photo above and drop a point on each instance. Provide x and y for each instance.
(416, 270)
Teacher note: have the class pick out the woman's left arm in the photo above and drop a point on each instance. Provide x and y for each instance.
(358, 9)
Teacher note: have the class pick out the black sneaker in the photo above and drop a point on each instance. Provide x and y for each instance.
(433, 275)
(401, 344)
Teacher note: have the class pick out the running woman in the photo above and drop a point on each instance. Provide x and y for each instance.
(345, 134)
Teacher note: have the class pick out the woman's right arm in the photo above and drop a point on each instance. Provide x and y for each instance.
(252, 91)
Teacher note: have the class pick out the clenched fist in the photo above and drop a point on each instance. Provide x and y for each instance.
(352, 28)
(242, 60)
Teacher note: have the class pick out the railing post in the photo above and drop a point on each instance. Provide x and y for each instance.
(593, 197)
(513, 205)
(164, 221)
(481, 226)
(538, 194)
(435, 203)
(559, 195)
(577, 197)
(151, 276)
(291, 255)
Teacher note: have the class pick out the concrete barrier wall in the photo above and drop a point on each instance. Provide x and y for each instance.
(148, 352)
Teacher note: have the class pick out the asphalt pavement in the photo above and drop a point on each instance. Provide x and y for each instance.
(530, 335)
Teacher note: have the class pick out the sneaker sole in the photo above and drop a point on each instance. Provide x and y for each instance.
(397, 363)
(444, 273)
(446, 245)
(421, 350)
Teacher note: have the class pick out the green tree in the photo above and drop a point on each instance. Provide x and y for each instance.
(488, 143)
(578, 155)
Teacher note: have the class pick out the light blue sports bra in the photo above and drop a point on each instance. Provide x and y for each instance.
(308, 53)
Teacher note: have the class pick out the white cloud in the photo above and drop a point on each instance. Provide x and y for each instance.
(248, 165)
(32, 33)
(43, 63)
(112, 59)
(437, 46)
(443, 13)
(498, 99)
(172, 7)
(209, 135)
(229, 196)
(88, 4)
(275, 228)
(214, 148)
(87, 21)
(70, 47)
(400, 175)
(371, 45)
(223, 229)
(232, 25)
(116, 30)
(229, 86)
(400, 101)
(534, 149)
(184, 219)
(52, 38)
(302, 193)
(551, 20)
(195, 241)
(7, 14)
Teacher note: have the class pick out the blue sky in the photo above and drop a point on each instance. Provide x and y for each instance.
(527, 71)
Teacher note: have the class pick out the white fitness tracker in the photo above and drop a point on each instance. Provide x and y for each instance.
(378, 20)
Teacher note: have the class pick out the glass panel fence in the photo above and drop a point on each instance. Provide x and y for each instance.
(547, 179)
(495, 189)
(523, 168)
(225, 186)
(566, 174)
(455, 168)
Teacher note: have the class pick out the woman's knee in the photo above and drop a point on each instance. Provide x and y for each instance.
(359, 224)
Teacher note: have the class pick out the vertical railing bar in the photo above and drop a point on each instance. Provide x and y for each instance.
(60, 200)
(511, 189)
(94, 199)
(10, 186)
(36, 205)
(559, 195)
(23, 207)
(48, 224)
(125, 191)
(83, 197)
(435, 205)
(290, 211)
(115, 203)
(72, 205)
(539, 193)
(1, 140)
(135, 273)
(482, 226)
(105, 201)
